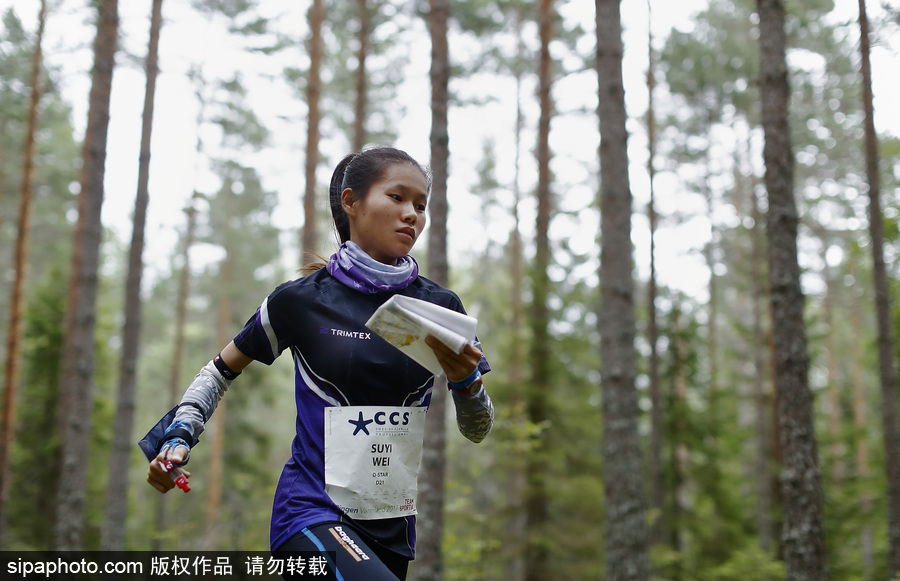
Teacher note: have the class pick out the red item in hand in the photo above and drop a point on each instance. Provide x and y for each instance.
(177, 475)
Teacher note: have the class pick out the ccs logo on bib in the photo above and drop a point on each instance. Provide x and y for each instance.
(386, 422)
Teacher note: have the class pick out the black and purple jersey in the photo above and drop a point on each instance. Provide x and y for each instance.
(338, 361)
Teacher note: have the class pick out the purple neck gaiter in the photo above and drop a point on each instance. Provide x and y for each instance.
(356, 269)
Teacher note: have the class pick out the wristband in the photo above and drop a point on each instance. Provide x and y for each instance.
(172, 443)
(226, 371)
(176, 433)
(464, 383)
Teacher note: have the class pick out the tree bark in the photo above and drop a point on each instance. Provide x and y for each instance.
(803, 534)
(362, 51)
(429, 560)
(836, 447)
(17, 302)
(514, 553)
(175, 387)
(656, 411)
(116, 508)
(887, 371)
(537, 556)
(313, 90)
(625, 531)
(81, 316)
(217, 421)
(859, 424)
(763, 433)
(679, 454)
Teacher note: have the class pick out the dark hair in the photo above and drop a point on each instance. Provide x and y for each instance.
(358, 171)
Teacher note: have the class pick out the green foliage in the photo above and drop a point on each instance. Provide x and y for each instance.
(55, 161)
(388, 36)
(706, 515)
(489, 479)
(716, 63)
(258, 408)
(35, 467)
(749, 564)
(33, 459)
(485, 17)
(826, 134)
(229, 8)
(239, 124)
(15, 55)
(746, 563)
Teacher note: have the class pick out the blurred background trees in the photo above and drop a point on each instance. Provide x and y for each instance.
(524, 176)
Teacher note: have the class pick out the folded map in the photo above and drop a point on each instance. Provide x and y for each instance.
(404, 322)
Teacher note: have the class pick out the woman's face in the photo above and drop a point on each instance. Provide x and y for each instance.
(388, 221)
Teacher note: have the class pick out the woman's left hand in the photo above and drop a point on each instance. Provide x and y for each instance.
(456, 366)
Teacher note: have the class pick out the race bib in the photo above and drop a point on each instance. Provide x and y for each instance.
(372, 457)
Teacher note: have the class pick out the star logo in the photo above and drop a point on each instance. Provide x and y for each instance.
(360, 425)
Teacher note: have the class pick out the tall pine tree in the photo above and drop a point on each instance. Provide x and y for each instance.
(625, 531)
(803, 536)
(81, 316)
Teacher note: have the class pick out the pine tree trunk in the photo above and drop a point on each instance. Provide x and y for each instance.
(862, 442)
(359, 121)
(17, 302)
(313, 90)
(516, 264)
(709, 252)
(834, 402)
(656, 412)
(217, 422)
(679, 465)
(514, 547)
(626, 535)
(887, 371)
(429, 563)
(803, 533)
(78, 365)
(713, 415)
(763, 434)
(775, 431)
(116, 508)
(537, 556)
(175, 386)
(3, 131)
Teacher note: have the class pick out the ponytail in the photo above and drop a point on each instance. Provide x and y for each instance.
(335, 189)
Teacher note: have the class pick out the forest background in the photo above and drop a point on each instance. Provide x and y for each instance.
(228, 148)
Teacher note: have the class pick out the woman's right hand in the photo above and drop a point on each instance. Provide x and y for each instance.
(160, 478)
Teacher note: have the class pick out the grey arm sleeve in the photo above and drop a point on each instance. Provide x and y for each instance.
(474, 415)
(202, 397)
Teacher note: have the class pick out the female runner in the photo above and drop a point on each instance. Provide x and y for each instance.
(349, 488)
